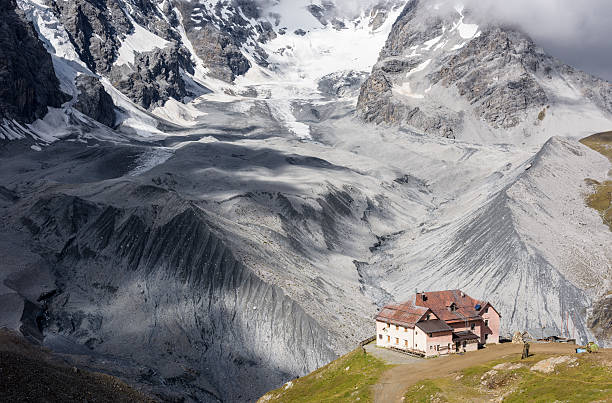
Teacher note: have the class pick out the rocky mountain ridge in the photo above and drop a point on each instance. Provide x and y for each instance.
(441, 73)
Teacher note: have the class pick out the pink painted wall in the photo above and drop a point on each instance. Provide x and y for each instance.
(494, 323)
(438, 339)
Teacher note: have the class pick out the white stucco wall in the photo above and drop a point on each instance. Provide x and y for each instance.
(409, 339)
(395, 336)
(420, 340)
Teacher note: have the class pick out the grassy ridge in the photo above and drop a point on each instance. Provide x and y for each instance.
(601, 198)
(588, 379)
(347, 379)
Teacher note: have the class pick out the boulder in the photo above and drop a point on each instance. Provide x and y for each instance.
(517, 338)
(548, 365)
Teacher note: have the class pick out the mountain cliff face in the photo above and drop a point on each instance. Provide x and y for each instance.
(94, 101)
(28, 85)
(261, 184)
(441, 73)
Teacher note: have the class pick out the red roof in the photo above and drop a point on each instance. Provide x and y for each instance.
(488, 304)
(404, 314)
(440, 303)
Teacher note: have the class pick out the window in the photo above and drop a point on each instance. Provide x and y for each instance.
(430, 334)
(405, 329)
(472, 326)
(449, 346)
(486, 336)
(380, 336)
(415, 345)
(437, 347)
(464, 343)
(388, 339)
(396, 340)
(428, 316)
(396, 327)
(486, 322)
(487, 310)
(406, 343)
(452, 307)
(416, 332)
(388, 325)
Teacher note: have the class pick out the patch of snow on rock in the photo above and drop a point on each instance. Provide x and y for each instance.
(141, 40)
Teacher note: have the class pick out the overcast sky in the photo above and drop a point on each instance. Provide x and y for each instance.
(579, 32)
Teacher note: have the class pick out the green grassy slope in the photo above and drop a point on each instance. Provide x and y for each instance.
(584, 378)
(601, 198)
(347, 379)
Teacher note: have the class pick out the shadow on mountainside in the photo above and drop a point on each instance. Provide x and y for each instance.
(31, 373)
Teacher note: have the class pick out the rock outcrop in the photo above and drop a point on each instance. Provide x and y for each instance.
(28, 84)
(443, 73)
(342, 84)
(600, 318)
(154, 77)
(506, 54)
(95, 29)
(94, 101)
(548, 365)
(221, 55)
(217, 40)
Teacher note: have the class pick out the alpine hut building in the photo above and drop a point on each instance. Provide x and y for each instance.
(435, 323)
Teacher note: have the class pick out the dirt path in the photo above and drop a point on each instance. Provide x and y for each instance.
(397, 380)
